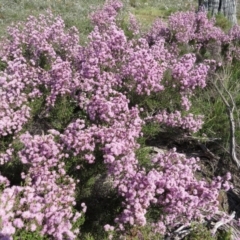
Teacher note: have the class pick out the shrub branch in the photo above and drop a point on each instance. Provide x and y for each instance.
(230, 110)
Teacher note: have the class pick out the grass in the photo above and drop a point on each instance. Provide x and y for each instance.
(73, 12)
(210, 104)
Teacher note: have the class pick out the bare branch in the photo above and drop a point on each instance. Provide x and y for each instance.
(222, 222)
(230, 110)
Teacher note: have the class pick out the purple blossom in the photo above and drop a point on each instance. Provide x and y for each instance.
(100, 78)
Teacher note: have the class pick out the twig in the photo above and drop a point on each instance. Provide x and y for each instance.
(208, 152)
(180, 233)
(199, 141)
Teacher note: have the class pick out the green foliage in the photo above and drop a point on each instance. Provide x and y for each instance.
(136, 233)
(37, 124)
(138, 3)
(199, 232)
(154, 213)
(210, 103)
(213, 109)
(5, 141)
(150, 131)
(62, 113)
(148, 234)
(133, 233)
(12, 169)
(37, 105)
(133, 3)
(147, 14)
(223, 235)
(170, 11)
(123, 23)
(103, 202)
(223, 22)
(143, 156)
(80, 221)
(27, 235)
(88, 236)
(44, 62)
(3, 65)
(59, 116)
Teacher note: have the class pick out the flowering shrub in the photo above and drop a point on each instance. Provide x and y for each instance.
(44, 202)
(109, 83)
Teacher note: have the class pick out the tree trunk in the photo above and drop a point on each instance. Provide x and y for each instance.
(226, 7)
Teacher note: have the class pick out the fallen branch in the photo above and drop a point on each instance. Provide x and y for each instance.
(222, 222)
(218, 224)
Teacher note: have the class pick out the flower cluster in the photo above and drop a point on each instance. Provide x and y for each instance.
(143, 69)
(46, 200)
(14, 112)
(187, 26)
(188, 75)
(8, 198)
(182, 197)
(175, 119)
(107, 13)
(32, 61)
(99, 108)
(196, 32)
(79, 139)
(171, 185)
(105, 79)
